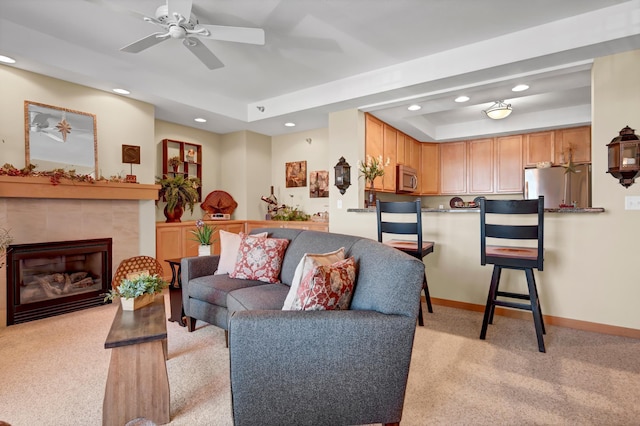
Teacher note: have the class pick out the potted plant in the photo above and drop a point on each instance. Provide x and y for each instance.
(203, 234)
(137, 291)
(174, 162)
(371, 169)
(178, 191)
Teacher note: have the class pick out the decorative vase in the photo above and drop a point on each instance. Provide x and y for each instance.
(133, 303)
(175, 169)
(175, 215)
(371, 197)
(204, 250)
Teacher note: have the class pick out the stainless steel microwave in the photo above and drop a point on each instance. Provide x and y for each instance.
(406, 179)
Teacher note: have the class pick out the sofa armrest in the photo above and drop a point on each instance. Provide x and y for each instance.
(319, 367)
(200, 266)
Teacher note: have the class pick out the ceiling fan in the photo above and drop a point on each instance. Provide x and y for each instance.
(177, 22)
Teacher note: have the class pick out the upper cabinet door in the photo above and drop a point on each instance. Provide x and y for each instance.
(429, 181)
(480, 169)
(389, 152)
(453, 168)
(374, 142)
(539, 147)
(575, 142)
(509, 169)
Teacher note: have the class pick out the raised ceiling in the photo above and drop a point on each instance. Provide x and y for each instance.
(329, 55)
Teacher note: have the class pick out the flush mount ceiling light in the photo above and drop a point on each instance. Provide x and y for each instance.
(414, 107)
(461, 99)
(200, 120)
(122, 91)
(290, 124)
(498, 110)
(520, 88)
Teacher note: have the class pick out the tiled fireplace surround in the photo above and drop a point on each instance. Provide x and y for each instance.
(36, 220)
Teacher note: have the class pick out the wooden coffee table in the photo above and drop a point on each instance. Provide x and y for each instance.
(137, 383)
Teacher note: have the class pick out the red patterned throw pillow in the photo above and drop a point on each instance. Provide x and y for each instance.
(327, 287)
(260, 259)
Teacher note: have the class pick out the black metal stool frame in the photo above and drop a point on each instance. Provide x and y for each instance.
(525, 259)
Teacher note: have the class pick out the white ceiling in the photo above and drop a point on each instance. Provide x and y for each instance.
(330, 55)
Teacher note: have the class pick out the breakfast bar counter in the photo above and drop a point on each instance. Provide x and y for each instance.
(477, 210)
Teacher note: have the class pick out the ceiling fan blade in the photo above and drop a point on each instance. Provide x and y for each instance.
(235, 34)
(203, 53)
(144, 43)
(181, 7)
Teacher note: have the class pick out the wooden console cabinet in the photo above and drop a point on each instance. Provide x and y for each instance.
(175, 240)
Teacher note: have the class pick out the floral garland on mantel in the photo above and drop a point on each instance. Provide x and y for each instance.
(55, 175)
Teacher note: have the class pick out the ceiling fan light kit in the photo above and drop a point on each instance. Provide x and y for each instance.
(498, 110)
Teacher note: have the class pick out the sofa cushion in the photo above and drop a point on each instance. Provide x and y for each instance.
(265, 296)
(229, 246)
(260, 259)
(214, 288)
(327, 287)
(306, 264)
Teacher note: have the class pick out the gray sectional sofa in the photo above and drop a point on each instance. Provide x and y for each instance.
(313, 367)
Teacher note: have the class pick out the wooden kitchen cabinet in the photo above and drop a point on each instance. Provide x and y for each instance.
(374, 142)
(576, 141)
(429, 181)
(539, 147)
(391, 136)
(413, 153)
(453, 168)
(480, 166)
(401, 157)
(509, 169)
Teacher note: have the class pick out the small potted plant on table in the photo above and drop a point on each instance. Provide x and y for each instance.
(137, 291)
(203, 234)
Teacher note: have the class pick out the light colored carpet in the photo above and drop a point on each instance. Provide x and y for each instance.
(53, 372)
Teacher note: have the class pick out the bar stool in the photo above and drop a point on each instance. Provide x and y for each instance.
(513, 256)
(416, 248)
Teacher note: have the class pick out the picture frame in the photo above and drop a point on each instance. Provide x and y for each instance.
(60, 138)
(296, 174)
(319, 184)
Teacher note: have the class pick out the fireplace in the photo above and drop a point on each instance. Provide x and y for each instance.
(47, 279)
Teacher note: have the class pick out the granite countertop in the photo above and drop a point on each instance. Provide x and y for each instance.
(477, 209)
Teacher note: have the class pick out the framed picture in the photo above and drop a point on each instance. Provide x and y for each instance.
(319, 184)
(296, 174)
(60, 138)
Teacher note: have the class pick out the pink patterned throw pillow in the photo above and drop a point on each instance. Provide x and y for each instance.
(260, 259)
(327, 287)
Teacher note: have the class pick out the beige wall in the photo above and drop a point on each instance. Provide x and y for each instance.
(294, 147)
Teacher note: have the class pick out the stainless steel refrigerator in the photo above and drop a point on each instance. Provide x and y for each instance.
(559, 187)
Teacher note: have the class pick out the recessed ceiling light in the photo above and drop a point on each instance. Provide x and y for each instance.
(200, 120)
(290, 124)
(461, 99)
(7, 60)
(414, 107)
(122, 91)
(520, 88)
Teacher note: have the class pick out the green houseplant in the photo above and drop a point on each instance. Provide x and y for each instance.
(178, 191)
(137, 291)
(203, 234)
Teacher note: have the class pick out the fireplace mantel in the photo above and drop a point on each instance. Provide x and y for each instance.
(41, 187)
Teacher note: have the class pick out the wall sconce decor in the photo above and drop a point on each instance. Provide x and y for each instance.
(624, 157)
(131, 155)
(342, 175)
